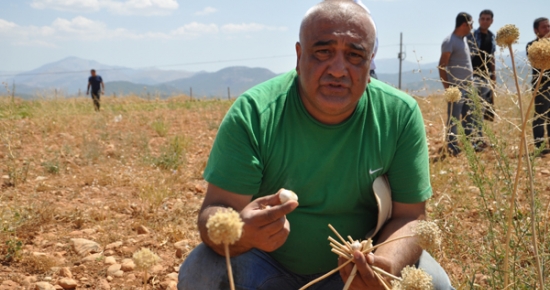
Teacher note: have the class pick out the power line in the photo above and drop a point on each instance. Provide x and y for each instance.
(166, 65)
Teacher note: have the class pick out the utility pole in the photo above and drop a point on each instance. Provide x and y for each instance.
(401, 56)
(228, 94)
(191, 92)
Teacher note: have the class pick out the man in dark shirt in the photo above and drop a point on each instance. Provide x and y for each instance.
(482, 47)
(96, 83)
(542, 99)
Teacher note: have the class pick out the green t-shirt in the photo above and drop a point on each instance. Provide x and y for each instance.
(269, 141)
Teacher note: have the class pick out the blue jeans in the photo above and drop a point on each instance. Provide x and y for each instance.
(255, 270)
(541, 120)
(463, 112)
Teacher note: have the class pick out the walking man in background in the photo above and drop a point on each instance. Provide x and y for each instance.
(96, 83)
(482, 46)
(455, 69)
(542, 99)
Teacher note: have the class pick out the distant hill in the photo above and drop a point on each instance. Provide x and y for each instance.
(204, 84)
(238, 79)
(71, 75)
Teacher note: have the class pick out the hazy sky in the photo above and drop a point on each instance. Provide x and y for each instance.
(210, 35)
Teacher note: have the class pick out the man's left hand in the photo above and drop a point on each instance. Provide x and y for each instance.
(365, 277)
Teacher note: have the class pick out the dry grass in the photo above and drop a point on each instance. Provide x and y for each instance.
(70, 172)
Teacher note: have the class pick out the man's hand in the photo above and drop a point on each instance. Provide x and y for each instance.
(265, 225)
(365, 277)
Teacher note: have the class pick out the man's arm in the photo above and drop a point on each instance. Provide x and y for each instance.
(88, 89)
(103, 86)
(443, 62)
(265, 224)
(394, 256)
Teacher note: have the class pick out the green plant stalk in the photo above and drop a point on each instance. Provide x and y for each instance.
(523, 143)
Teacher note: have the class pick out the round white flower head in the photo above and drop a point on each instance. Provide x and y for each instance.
(225, 226)
(539, 54)
(507, 35)
(413, 279)
(452, 94)
(356, 246)
(287, 195)
(428, 234)
(144, 259)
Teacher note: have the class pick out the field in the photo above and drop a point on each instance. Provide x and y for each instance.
(131, 177)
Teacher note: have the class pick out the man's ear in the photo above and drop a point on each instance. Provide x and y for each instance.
(298, 55)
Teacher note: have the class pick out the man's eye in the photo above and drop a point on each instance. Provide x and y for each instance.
(322, 53)
(355, 57)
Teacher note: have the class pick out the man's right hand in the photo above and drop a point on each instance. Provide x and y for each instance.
(265, 225)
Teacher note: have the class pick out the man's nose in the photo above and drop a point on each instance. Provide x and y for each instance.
(338, 66)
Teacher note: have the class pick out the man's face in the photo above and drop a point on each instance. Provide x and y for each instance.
(543, 30)
(93, 73)
(333, 67)
(485, 21)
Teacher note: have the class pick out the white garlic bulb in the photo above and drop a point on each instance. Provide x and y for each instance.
(287, 195)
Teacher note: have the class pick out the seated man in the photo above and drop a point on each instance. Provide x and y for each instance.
(320, 131)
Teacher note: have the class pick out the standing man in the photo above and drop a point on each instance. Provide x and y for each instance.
(482, 46)
(542, 99)
(455, 69)
(325, 130)
(96, 83)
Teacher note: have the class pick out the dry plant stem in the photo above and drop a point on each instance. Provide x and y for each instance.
(523, 143)
(229, 270)
(380, 271)
(387, 242)
(382, 281)
(326, 275)
(340, 237)
(350, 278)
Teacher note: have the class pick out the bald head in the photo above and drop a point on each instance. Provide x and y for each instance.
(339, 12)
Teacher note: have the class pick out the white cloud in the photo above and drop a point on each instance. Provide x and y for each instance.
(126, 7)
(206, 11)
(195, 29)
(84, 29)
(250, 27)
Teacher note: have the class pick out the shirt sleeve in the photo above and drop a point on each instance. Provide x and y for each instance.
(409, 173)
(234, 163)
(447, 46)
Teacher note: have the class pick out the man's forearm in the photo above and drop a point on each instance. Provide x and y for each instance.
(402, 252)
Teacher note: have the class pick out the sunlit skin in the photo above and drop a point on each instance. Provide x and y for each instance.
(543, 30)
(333, 65)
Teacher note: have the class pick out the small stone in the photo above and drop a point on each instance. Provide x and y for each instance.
(88, 231)
(109, 278)
(65, 272)
(156, 269)
(118, 273)
(39, 254)
(92, 258)
(113, 245)
(67, 283)
(57, 287)
(131, 277)
(172, 276)
(44, 286)
(84, 247)
(172, 285)
(142, 230)
(47, 278)
(545, 172)
(128, 265)
(108, 253)
(40, 178)
(103, 285)
(110, 260)
(113, 269)
(8, 285)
